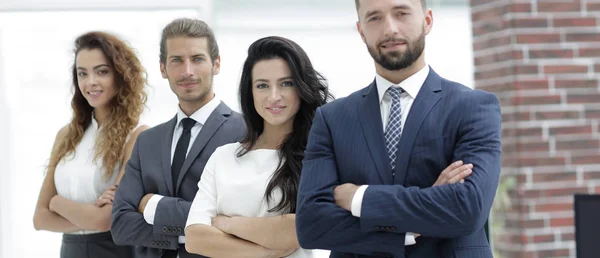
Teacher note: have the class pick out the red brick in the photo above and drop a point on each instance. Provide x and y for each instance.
(584, 83)
(521, 132)
(554, 177)
(536, 146)
(553, 7)
(543, 238)
(534, 161)
(529, 22)
(566, 130)
(488, 26)
(597, 190)
(583, 98)
(567, 237)
(575, 22)
(561, 222)
(540, 38)
(551, 53)
(554, 253)
(591, 175)
(531, 84)
(491, 43)
(587, 159)
(554, 207)
(583, 37)
(496, 88)
(592, 114)
(488, 13)
(593, 6)
(492, 73)
(537, 100)
(537, 223)
(519, 116)
(556, 115)
(597, 68)
(526, 69)
(499, 57)
(579, 144)
(519, 7)
(554, 69)
(589, 52)
(557, 192)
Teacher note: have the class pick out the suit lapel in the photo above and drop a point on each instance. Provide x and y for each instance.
(370, 120)
(167, 141)
(214, 121)
(427, 98)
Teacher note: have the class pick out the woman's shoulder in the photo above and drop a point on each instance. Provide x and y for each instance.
(227, 150)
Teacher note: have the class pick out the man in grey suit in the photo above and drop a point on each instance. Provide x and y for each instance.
(153, 199)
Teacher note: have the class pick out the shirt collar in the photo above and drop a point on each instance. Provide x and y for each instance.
(202, 114)
(411, 85)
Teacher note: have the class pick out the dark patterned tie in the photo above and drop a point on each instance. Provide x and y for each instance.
(393, 129)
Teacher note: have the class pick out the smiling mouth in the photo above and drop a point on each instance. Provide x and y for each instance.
(94, 93)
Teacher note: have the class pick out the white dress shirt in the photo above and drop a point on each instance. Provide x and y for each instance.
(79, 178)
(411, 86)
(200, 116)
(235, 186)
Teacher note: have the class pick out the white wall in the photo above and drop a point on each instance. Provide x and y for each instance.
(4, 148)
(35, 58)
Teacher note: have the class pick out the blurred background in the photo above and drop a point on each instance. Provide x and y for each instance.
(540, 59)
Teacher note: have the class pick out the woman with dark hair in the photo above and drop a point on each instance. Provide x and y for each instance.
(88, 157)
(246, 200)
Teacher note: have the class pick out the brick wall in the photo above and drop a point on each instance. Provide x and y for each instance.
(542, 59)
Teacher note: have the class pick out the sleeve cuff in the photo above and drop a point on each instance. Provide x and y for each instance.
(357, 199)
(410, 239)
(150, 209)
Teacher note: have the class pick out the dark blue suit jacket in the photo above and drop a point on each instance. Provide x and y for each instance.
(447, 122)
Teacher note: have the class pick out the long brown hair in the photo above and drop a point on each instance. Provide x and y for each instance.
(124, 109)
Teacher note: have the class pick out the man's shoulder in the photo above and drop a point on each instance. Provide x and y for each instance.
(461, 92)
(344, 103)
(154, 133)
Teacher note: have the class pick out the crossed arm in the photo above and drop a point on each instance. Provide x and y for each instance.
(211, 235)
(56, 213)
(448, 211)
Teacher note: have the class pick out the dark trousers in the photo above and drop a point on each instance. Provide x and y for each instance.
(98, 245)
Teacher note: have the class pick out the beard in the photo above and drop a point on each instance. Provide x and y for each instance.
(397, 60)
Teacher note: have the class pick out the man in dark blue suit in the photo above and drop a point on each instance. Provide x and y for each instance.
(372, 157)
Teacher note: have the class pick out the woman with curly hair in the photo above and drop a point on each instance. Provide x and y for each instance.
(89, 154)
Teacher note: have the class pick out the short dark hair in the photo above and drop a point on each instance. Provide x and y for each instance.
(423, 4)
(186, 27)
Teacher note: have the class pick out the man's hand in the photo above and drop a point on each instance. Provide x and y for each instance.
(221, 222)
(455, 173)
(343, 195)
(143, 202)
(107, 197)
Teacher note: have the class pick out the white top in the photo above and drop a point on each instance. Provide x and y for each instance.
(78, 178)
(411, 86)
(200, 116)
(235, 186)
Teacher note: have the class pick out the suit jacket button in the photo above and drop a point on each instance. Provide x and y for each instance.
(164, 229)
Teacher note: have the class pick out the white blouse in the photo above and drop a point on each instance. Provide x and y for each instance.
(78, 178)
(233, 186)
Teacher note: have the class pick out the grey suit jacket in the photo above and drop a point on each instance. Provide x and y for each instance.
(149, 171)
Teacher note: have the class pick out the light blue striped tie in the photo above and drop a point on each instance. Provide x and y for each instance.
(393, 129)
